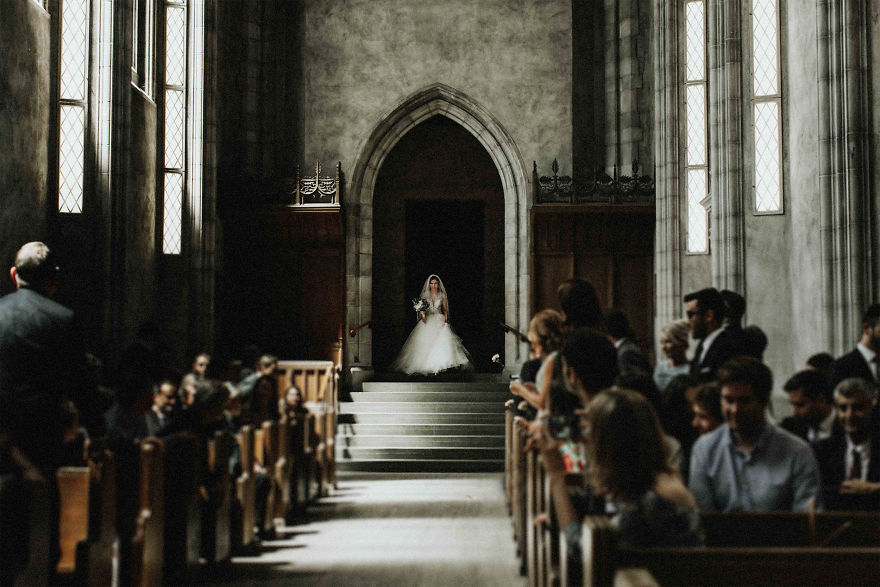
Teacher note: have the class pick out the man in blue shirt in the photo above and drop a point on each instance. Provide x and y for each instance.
(748, 464)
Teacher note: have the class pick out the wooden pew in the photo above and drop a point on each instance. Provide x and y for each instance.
(726, 565)
(217, 516)
(829, 529)
(519, 498)
(282, 470)
(508, 459)
(183, 507)
(148, 543)
(318, 381)
(300, 463)
(24, 521)
(245, 494)
(87, 520)
(264, 456)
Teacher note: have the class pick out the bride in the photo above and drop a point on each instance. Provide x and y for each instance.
(432, 346)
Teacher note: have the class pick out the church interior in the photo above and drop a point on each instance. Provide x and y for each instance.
(238, 178)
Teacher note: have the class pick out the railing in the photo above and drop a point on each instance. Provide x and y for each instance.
(508, 329)
(352, 332)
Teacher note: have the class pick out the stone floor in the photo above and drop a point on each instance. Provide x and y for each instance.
(402, 529)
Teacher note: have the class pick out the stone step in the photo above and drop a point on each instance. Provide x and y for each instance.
(411, 441)
(431, 396)
(355, 453)
(423, 466)
(473, 388)
(419, 418)
(429, 429)
(422, 408)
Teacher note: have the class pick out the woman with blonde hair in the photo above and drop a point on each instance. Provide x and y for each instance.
(629, 466)
(674, 343)
(545, 338)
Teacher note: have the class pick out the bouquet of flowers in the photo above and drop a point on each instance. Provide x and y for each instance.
(420, 305)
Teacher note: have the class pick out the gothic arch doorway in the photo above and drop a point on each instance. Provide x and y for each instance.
(437, 100)
(438, 207)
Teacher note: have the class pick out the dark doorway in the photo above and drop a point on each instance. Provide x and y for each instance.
(446, 238)
(438, 207)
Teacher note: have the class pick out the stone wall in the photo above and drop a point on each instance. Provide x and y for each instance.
(24, 127)
(363, 57)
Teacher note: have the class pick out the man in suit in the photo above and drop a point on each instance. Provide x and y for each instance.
(861, 361)
(849, 461)
(165, 401)
(630, 357)
(812, 411)
(718, 343)
(41, 364)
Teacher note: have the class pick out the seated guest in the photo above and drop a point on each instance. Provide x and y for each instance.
(861, 361)
(266, 365)
(812, 415)
(263, 404)
(628, 466)
(545, 339)
(718, 342)
(754, 341)
(676, 415)
(191, 379)
(820, 362)
(291, 405)
(630, 357)
(164, 407)
(747, 463)
(706, 406)
(674, 343)
(849, 460)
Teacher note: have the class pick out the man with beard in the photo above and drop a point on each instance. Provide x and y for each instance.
(850, 459)
(718, 341)
(747, 463)
(860, 362)
(165, 403)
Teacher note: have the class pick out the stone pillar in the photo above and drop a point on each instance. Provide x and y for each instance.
(667, 113)
(726, 149)
(844, 166)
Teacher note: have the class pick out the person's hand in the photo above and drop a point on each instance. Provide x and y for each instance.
(508, 403)
(858, 487)
(539, 437)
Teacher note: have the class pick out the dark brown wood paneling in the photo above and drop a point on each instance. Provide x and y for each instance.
(551, 269)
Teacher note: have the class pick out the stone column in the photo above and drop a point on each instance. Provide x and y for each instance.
(667, 124)
(844, 166)
(726, 143)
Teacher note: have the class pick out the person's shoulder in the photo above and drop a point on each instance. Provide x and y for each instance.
(711, 441)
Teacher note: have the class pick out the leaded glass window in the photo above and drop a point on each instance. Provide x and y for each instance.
(73, 88)
(696, 135)
(175, 127)
(766, 106)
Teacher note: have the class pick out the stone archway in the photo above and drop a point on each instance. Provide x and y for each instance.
(435, 100)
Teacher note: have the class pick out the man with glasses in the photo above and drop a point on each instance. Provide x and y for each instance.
(718, 343)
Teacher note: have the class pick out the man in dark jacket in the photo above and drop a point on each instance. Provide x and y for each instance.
(862, 361)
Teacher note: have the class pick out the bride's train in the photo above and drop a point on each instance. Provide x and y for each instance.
(431, 347)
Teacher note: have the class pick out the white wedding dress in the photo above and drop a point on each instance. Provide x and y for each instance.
(432, 346)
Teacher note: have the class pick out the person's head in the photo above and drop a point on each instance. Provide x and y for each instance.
(545, 332)
(580, 304)
(266, 364)
(745, 385)
(755, 341)
(264, 403)
(810, 396)
(871, 328)
(625, 444)
(820, 362)
(734, 307)
(674, 339)
(641, 382)
(706, 406)
(165, 397)
(854, 401)
(293, 399)
(35, 268)
(200, 364)
(590, 363)
(434, 284)
(705, 311)
(616, 323)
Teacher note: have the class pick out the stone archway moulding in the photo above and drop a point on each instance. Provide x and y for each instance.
(435, 100)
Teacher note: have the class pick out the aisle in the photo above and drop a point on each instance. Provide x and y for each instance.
(401, 529)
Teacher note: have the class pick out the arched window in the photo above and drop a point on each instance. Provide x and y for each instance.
(696, 152)
(766, 106)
